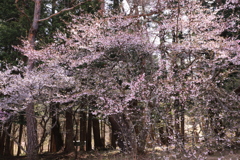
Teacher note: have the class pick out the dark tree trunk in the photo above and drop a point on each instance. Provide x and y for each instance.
(69, 145)
(7, 147)
(113, 138)
(89, 133)
(120, 132)
(177, 121)
(32, 139)
(2, 141)
(103, 131)
(182, 133)
(83, 129)
(96, 133)
(56, 143)
(21, 119)
(115, 131)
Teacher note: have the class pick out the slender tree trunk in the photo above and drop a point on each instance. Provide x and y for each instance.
(83, 129)
(96, 133)
(177, 121)
(69, 145)
(182, 132)
(89, 133)
(103, 131)
(1, 140)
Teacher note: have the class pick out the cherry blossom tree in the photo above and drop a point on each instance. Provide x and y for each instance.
(140, 76)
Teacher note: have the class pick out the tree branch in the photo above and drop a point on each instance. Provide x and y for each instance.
(22, 11)
(64, 10)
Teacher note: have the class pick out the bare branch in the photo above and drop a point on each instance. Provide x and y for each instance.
(22, 11)
(64, 10)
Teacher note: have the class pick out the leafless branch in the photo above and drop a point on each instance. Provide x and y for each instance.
(64, 10)
(22, 10)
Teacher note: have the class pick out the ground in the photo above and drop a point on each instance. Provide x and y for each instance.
(116, 155)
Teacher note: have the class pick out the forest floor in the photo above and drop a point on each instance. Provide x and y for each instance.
(116, 155)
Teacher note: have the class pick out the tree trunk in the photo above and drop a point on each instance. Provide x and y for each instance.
(89, 133)
(83, 129)
(56, 143)
(32, 141)
(69, 145)
(96, 133)
(102, 7)
(35, 24)
(21, 119)
(115, 130)
(7, 147)
(182, 124)
(103, 131)
(113, 138)
(177, 121)
(2, 141)
(122, 132)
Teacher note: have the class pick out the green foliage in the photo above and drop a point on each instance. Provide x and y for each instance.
(91, 6)
(13, 26)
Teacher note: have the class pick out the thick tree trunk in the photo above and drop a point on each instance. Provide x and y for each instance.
(35, 24)
(32, 141)
(115, 131)
(8, 142)
(56, 143)
(123, 132)
(21, 119)
(96, 133)
(83, 129)
(2, 141)
(69, 145)
(89, 133)
(113, 138)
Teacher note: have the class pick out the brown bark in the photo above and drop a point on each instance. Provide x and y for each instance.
(115, 130)
(83, 129)
(177, 121)
(32, 139)
(35, 24)
(89, 133)
(182, 119)
(102, 7)
(7, 151)
(21, 119)
(2, 141)
(103, 131)
(69, 145)
(121, 133)
(32, 147)
(56, 143)
(96, 133)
